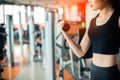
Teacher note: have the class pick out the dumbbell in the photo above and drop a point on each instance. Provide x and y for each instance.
(66, 26)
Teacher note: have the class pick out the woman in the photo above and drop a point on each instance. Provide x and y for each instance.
(104, 35)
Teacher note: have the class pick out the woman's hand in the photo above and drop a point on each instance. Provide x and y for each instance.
(64, 25)
(61, 24)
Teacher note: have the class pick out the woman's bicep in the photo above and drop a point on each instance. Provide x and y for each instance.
(85, 42)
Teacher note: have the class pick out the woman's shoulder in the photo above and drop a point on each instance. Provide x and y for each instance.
(94, 18)
(91, 20)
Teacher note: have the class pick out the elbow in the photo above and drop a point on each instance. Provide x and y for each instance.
(79, 54)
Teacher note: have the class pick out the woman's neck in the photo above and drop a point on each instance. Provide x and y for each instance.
(106, 10)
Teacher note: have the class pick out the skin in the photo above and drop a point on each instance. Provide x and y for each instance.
(102, 60)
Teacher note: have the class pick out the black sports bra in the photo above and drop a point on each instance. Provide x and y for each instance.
(105, 38)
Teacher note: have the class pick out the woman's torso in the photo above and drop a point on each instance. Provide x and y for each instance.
(104, 40)
(104, 60)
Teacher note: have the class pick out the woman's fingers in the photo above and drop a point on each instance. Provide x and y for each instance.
(61, 24)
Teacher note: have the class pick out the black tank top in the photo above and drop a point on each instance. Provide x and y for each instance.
(105, 38)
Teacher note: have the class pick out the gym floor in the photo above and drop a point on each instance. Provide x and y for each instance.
(26, 69)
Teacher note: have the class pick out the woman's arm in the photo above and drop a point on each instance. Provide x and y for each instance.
(79, 50)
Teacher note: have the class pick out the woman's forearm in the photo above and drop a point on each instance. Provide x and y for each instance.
(74, 46)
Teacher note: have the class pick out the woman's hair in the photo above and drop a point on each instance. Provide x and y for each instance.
(115, 4)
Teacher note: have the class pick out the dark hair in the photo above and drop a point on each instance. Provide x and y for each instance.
(115, 4)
